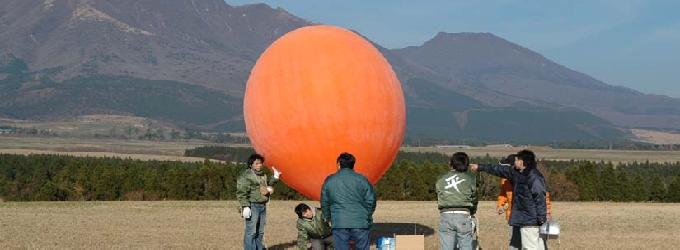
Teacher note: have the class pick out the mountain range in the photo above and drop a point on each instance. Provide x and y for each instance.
(186, 62)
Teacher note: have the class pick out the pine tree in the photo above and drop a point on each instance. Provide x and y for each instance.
(624, 186)
(608, 188)
(586, 180)
(657, 189)
(673, 194)
(638, 189)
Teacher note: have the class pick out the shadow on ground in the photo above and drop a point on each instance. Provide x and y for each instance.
(380, 230)
(391, 229)
(288, 245)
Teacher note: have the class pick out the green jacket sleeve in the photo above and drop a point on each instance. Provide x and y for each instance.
(302, 238)
(242, 190)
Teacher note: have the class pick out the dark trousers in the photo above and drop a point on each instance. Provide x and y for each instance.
(342, 236)
(322, 244)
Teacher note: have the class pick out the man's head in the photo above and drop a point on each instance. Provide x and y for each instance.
(525, 159)
(255, 162)
(459, 162)
(346, 160)
(303, 211)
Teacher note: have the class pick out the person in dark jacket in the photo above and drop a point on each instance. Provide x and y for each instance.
(529, 208)
(348, 202)
(312, 226)
(457, 203)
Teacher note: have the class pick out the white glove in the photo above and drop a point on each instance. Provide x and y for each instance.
(246, 213)
(277, 174)
(270, 189)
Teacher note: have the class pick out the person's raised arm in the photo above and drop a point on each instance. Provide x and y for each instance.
(497, 170)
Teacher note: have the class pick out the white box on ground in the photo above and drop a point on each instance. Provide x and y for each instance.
(410, 242)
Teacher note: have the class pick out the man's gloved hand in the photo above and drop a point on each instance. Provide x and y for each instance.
(246, 213)
(277, 174)
(270, 189)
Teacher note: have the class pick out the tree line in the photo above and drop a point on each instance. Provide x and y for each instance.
(411, 177)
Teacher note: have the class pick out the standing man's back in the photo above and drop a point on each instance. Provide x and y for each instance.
(457, 203)
(348, 200)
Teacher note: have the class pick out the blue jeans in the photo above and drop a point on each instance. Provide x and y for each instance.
(455, 231)
(254, 232)
(342, 236)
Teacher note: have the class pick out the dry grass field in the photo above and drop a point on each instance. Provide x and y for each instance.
(114, 146)
(563, 154)
(217, 225)
(143, 157)
(657, 137)
(169, 150)
(90, 125)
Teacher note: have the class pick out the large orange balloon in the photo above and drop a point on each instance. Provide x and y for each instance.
(319, 91)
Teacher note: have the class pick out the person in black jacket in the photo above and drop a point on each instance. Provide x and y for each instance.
(528, 201)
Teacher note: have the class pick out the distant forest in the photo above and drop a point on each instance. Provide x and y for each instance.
(411, 177)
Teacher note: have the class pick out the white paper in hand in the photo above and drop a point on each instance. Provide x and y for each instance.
(246, 213)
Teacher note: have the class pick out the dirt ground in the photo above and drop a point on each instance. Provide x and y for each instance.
(217, 225)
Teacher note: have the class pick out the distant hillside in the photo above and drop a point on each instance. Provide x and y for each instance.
(26, 95)
(186, 62)
(500, 73)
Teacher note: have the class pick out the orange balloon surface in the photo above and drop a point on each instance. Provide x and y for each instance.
(319, 91)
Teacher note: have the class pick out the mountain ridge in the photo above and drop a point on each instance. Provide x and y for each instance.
(454, 82)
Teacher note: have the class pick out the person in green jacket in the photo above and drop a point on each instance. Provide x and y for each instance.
(457, 202)
(313, 226)
(348, 201)
(252, 191)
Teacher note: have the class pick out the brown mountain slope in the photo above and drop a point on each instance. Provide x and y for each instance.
(205, 42)
(500, 73)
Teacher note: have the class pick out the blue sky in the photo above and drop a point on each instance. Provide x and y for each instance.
(621, 42)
